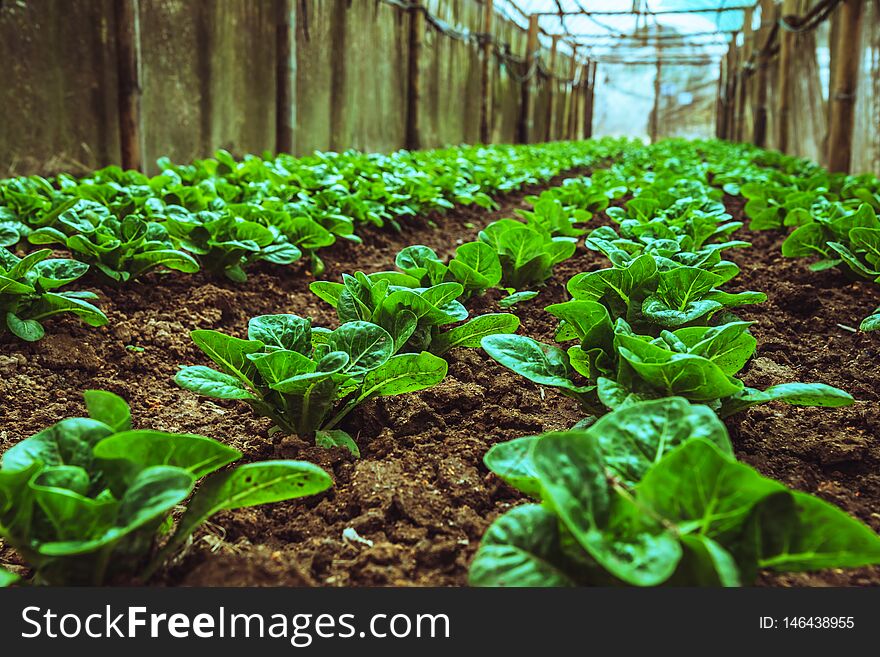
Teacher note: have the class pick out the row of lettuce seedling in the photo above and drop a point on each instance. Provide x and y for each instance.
(224, 215)
(646, 490)
(833, 215)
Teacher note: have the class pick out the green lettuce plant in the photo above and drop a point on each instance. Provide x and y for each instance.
(527, 252)
(89, 500)
(612, 367)
(651, 297)
(121, 250)
(227, 244)
(475, 267)
(415, 317)
(307, 380)
(29, 293)
(652, 495)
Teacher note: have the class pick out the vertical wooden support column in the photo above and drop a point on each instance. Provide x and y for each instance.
(783, 101)
(527, 113)
(570, 105)
(769, 17)
(719, 103)
(486, 74)
(843, 98)
(550, 133)
(732, 80)
(128, 52)
(583, 99)
(588, 111)
(658, 76)
(414, 90)
(743, 87)
(285, 77)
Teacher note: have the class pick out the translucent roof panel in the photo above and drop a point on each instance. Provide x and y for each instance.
(611, 31)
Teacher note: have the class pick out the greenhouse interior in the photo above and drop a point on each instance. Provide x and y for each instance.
(440, 293)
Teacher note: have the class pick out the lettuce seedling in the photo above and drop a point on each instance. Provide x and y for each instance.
(121, 250)
(307, 380)
(475, 267)
(414, 316)
(527, 253)
(227, 244)
(620, 367)
(871, 322)
(7, 578)
(29, 293)
(551, 216)
(89, 500)
(652, 495)
(852, 239)
(651, 297)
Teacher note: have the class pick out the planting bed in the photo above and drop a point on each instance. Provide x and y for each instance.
(413, 508)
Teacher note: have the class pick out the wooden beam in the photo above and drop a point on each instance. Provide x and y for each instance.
(659, 12)
(588, 111)
(732, 84)
(843, 100)
(769, 18)
(527, 113)
(783, 101)
(572, 94)
(743, 86)
(658, 74)
(583, 99)
(414, 89)
(719, 102)
(550, 133)
(285, 77)
(128, 51)
(486, 74)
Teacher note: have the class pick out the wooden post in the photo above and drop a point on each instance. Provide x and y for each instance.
(486, 78)
(655, 114)
(719, 103)
(588, 111)
(583, 99)
(550, 134)
(743, 87)
(572, 108)
(732, 80)
(527, 114)
(769, 17)
(843, 100)
(783, 102)
(414, 93)
(285, 77)
(128, 50)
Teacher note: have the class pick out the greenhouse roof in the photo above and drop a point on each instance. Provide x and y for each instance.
(622, 29)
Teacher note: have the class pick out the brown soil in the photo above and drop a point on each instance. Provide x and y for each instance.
(420, 497)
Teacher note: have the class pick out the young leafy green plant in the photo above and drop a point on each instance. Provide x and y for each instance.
(852, 239)
(227, 244)
(29, 293)
(871, 322)
(652, 298)
(307, 380)
(121, 250)
(527, 252)
(551, 215)
(652, 495)
(620, 367)
(413, 316)
(475, 267)
(89, 500)
(7, 578)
